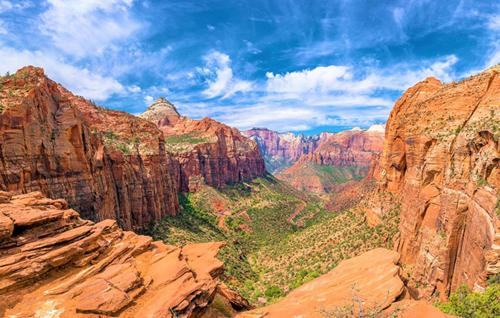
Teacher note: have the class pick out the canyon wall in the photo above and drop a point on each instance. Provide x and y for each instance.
(208, 151)
(338, 158)
(441, 159)
(280, 150)
(111, 164)
(106, 164)
(348, 148)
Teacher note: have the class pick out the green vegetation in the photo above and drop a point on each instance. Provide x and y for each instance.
(325, 175)
(340, 174)
(184, 142)
(268, 251)
(113, 140)
(465, 303)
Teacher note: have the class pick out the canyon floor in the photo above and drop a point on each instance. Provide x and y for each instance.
(277, 237)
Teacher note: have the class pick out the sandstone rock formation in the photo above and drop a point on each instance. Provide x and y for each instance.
(441, 158)
(280, 150)
(110, 164)
(369, 282)
(54, 264)
(338, 158)
(207, 151)
(106, 164)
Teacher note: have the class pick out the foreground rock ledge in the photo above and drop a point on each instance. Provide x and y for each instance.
(371, 279)
(54, 264)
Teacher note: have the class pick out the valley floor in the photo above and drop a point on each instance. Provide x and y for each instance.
(277, 238)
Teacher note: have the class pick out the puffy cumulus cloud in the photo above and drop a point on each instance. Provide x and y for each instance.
(341, 79)
(81, 81)
(148, 99)
(320, 79)
(219, 77)
(334, 95)
(83, 28)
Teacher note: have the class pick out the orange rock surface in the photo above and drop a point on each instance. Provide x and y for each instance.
(282, 149)
(441, 158)
(350, 152)
(369, 282)
(54, 264)
(208, 151)
(106, 164)
(111, 164)
(371, 278)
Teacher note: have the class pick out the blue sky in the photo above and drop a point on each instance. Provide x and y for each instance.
(303, 66)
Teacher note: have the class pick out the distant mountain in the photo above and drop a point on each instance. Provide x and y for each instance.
(339, 158)
(319, 163)
(280, 150)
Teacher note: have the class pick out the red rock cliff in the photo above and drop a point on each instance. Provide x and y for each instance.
(106, 164)
(338, 158)
(347, 148)
(207, 151)
(282, 149)
(55, 264)
(441, 157)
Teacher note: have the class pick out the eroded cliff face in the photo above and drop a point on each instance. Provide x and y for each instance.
(441, 158)
(280, 150)
(347, 148)
(208, 151)
(338, 158)
(106, 164)
(55, 264)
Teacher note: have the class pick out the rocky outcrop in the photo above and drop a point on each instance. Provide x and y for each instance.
(369, 283)
(208, 151)
(280, 150)
(162, 113)
(353, 148)
(338, 158)
(55, 264)
(441, 158)
(106, 164)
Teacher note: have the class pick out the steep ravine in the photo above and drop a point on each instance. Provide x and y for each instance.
(105, 163)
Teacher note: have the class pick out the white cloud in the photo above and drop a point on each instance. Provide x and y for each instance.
(134, 89)
(494, 22)
(320, 79)
(148, 99)
(341, 80)
(80, 81)
(82, 28)
(6, 5)
(210, 27)
(221, 82)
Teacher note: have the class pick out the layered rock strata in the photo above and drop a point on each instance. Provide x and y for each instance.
(441, 158)
(106, 164)
(339, 158)
(53, 263)
(208, 151)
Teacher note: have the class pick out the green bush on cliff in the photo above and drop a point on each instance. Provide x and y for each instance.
(465, 303)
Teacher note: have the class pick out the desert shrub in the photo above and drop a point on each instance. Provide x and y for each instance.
(273, 291)
(465, 303)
